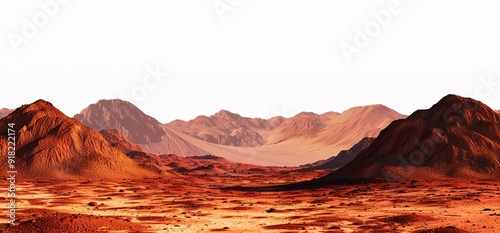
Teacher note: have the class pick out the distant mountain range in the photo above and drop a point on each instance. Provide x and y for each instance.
(231, 129)
(304, 138)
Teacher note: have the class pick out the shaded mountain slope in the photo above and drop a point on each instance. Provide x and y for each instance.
(457, 137)
(343, 158)
(136, 126)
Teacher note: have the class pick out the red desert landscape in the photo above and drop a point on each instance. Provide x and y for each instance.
(113, 168)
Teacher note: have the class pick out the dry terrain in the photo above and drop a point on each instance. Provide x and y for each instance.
(199, 204)
(435, 171)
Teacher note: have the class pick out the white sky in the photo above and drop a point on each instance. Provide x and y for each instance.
(265, 58)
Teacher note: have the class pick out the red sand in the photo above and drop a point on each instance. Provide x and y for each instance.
(196, 204)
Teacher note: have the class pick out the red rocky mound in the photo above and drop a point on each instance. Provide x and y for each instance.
(51, 145)
(457, 137)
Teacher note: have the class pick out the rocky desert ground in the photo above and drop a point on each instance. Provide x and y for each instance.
(194, 203)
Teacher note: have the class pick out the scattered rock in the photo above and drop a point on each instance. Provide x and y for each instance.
(92, 203)
(271, 210)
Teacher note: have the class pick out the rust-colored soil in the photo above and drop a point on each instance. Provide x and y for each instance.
(192, 203)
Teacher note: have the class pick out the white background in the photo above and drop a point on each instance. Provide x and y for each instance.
(262, 58)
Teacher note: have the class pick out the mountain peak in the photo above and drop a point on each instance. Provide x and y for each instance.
(43, 102)
(37, 109)
(226, 115)
(224, 111)
(305, 114)
(453, 98)
(227, 128)
(122, 115)
(454, 109)
(304, 124)
(39, 105)
(329, 115)
(114, 102)
(369, 108)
